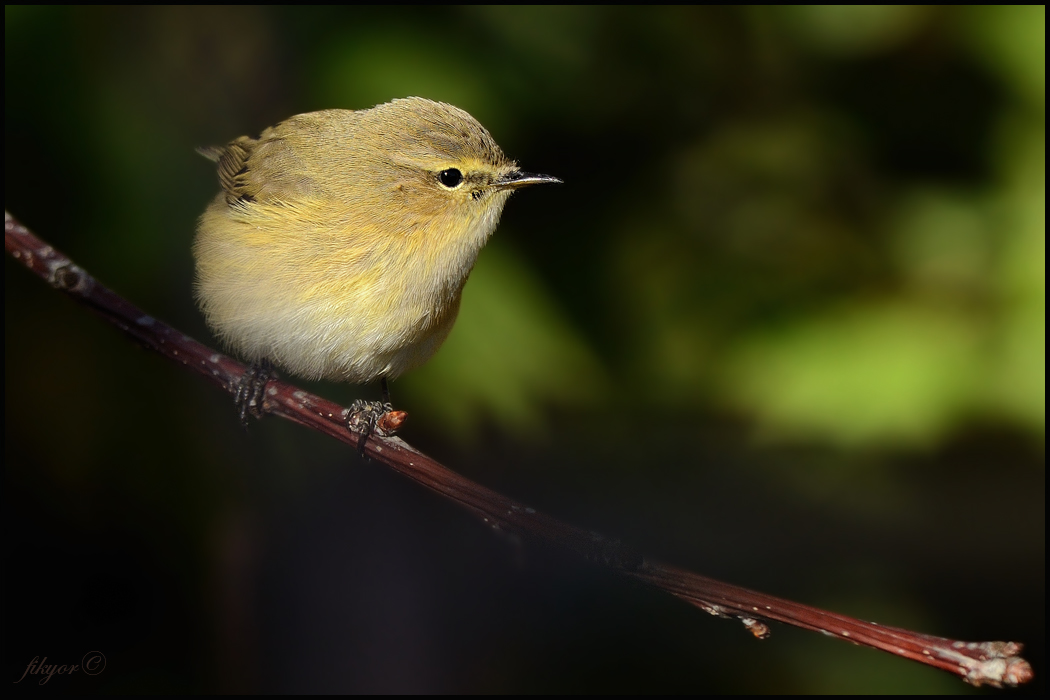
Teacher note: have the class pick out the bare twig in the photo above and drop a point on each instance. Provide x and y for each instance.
(978, 663)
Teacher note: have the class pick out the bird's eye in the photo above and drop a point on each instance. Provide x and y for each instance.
(450, 177)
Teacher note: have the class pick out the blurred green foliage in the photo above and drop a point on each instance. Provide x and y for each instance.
(816, 228)
(731, 235)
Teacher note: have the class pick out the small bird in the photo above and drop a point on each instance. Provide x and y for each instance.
(341, 240)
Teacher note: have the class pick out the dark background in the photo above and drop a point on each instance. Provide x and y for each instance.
(783, 325)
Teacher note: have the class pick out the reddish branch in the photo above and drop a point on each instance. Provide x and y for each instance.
(978, 663)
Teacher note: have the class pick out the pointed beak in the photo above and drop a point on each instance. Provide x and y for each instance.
(515, 179)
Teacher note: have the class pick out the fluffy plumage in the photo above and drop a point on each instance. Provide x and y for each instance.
(335, 250)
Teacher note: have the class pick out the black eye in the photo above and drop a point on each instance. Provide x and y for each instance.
(450, 177)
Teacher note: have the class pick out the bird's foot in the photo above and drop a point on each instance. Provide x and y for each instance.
(366, 418)
(251, 390)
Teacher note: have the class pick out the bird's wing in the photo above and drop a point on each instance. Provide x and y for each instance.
(265, 170)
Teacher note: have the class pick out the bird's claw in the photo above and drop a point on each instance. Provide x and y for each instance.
(251, 390)
(367, 418)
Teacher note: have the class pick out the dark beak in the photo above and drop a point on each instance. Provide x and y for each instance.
(515, 179)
